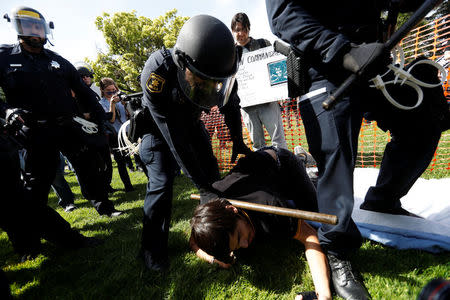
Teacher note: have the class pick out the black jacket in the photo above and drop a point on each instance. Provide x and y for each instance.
(323, 30)
(42, 83)
(177, 120)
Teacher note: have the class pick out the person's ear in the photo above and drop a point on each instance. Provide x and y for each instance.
(233, 208)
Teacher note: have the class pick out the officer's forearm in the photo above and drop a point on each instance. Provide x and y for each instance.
(305, 32)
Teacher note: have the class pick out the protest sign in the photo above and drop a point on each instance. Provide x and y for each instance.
(262, 77)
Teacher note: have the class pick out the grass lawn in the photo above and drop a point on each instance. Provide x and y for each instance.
(275, 270)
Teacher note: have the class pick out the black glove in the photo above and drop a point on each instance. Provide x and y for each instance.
(371, 58)
(239, 147)
(16, 117)
(208, 195)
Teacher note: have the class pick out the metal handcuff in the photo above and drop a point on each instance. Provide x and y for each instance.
(86, 126)
(407, 78)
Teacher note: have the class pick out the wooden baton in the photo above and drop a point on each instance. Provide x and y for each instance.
(282, 211)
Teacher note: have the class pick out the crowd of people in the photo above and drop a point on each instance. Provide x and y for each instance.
(52, 115)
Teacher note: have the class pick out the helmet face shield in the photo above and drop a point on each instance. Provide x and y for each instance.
(30, 23)
(207, 61)
(203, 91)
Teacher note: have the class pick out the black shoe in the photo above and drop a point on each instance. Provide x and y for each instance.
(90, 242)
(393, 211)
(111, 190)
(346, 285)
(28, 256)
(311, 295)
(29, 252)
(74, 240)
(154, 262)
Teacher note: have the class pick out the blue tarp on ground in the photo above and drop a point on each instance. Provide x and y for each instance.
(429, 199)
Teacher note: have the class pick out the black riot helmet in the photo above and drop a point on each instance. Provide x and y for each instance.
(28, 22)
(207, 61)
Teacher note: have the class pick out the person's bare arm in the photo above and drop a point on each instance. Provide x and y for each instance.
(205, 256)
(317, 260)
(112, 108)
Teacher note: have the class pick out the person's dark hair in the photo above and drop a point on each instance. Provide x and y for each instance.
(436, 289)
(84, 71)
(241, 18)
(211, 227)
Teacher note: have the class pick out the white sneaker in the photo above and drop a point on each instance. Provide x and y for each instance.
(70, 207)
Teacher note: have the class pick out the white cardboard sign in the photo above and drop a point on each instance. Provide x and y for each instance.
(262, 77)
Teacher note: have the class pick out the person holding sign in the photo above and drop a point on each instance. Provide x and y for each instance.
(267, 114)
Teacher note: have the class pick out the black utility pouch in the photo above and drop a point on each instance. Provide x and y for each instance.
(297, 70)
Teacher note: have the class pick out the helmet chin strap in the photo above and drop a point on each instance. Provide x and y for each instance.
(32, 43)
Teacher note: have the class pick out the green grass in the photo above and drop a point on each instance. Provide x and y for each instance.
(274, 270)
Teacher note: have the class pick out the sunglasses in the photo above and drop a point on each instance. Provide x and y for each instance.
(111, 93)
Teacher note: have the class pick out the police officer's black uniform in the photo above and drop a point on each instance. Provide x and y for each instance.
(322, 31)
(324, 47)
(14, 220)
(175, 135)
(41, 84)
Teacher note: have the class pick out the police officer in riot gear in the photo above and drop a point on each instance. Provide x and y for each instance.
(31, 27)
(337, 38)
(37, 84)
(197, 74)
(86, 74)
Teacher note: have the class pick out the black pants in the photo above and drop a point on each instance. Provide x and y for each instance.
(160, 165)
(24, 218)
(46, 141)
(121, 161)
(16, 208)
(5, 292)
(295, 183)
(333, 141)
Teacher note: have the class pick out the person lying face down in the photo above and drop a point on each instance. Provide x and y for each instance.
(268, 176)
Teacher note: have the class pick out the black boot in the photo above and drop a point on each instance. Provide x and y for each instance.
(154, 262)
(154, 247)
(346, 284)
(387, 210)
(5, 292)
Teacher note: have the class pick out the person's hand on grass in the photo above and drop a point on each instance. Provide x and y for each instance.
(221, 264)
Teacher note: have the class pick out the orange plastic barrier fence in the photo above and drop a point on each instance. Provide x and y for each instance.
(431, 40)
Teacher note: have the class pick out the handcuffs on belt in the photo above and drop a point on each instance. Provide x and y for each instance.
(86, 126)
(405, 77)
